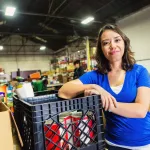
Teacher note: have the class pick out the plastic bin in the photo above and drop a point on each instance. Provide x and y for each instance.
(45, 92)
(41, 129)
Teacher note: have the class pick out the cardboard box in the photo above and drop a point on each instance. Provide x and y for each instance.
(7, 121)
(16, 143)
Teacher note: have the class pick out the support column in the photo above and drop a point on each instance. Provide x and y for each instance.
(88, 54)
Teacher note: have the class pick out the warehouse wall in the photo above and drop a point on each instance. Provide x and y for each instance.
(137, 28)
(25, 62)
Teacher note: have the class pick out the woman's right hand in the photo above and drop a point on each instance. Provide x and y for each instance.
(108, 101)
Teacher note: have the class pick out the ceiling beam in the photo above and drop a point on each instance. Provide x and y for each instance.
(50, 16)
(20, 45)
(32, 34)
(54, 13)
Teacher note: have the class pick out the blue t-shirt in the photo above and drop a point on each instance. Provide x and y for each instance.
(122, 130)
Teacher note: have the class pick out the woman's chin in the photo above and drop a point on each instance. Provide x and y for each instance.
(113, 60)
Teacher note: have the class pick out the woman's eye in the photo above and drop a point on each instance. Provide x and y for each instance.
(117, 40)
(105, 43)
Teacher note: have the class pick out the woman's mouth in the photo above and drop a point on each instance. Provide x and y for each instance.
(113, 52)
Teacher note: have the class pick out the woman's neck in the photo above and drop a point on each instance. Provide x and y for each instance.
(115, 67)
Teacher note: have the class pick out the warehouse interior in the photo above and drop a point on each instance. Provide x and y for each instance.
(42, 39)
(57, 26)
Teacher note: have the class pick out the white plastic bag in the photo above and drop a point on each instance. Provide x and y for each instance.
(25, 91)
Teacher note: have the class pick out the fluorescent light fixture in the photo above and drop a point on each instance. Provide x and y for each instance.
(40, 39)
(42, 48)
(10, 11)
(1, 48)
(87, 20)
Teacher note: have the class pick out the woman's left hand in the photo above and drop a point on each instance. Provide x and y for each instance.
(90, 92)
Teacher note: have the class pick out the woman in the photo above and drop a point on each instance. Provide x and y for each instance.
(124, 88)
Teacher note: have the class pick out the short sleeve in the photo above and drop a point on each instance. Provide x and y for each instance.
(143, 78)
(89, 78)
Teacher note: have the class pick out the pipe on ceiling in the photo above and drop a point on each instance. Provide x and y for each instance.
(51, 16)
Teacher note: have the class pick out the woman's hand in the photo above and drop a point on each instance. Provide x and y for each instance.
(108, 101)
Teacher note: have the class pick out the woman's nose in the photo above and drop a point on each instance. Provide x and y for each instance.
(112, 45)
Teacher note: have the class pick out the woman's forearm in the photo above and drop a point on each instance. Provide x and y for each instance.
(130, 110)
(70, 90)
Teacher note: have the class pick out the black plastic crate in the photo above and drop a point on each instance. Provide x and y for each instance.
(45, 92)
(41, 128)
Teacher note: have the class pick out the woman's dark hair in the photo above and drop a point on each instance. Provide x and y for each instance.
(102, 62)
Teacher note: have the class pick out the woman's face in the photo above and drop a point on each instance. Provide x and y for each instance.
(112, 45)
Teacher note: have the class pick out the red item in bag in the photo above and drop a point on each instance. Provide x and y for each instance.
(82, 130)
(52, 136)
(85, 126)
(68, 126)
(75, 129)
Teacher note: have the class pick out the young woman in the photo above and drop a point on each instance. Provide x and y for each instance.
(124, 88)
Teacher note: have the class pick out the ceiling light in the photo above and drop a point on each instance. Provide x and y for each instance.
(42, 48)
(87, 20)
(1, 48)
(40, 39)
(10, 11)
(78, 51)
